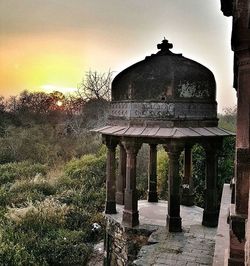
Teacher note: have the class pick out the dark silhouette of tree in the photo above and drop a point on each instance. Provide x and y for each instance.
(95, 86)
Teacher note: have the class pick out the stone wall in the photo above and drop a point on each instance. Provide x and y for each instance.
(122, 244)
(247, 246)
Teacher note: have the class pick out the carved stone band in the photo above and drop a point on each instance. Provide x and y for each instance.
(162, 110)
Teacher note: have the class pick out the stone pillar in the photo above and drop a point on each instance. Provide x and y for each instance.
(243, 136)
(174, 182)
(240, 11)
(121, 180)
(152, 174)
(130, 213)
(110, 205)
(211, 212)
(187, 197)
(239, 212)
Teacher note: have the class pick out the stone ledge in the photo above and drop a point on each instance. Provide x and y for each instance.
(222, 236)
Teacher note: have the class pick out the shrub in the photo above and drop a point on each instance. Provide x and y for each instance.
(20, 199)
(162, 173)
(12, 171)
(32, 142)
(16, 255)
(40, 217)
(4, 196)
(199, 163)
(67, 248)
(226, 161)
(142, 172)
(91, 200)
(54, 247)
(23, 190)
(89, 170)
(77, 219)
(41, 185)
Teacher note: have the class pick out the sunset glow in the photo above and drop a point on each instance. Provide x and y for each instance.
(49, 45)
(35, 63)
(50, 88)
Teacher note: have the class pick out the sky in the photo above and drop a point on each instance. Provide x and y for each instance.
(50, 44)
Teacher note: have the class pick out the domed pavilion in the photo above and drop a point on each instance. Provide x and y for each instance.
(170, 100)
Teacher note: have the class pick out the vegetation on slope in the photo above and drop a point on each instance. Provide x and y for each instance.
(52, 176)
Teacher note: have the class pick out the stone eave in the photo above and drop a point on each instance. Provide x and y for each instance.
(163, 132)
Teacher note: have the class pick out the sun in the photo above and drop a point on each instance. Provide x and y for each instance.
(59, 103)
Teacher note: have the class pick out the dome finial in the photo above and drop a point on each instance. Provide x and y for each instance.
(164, 46)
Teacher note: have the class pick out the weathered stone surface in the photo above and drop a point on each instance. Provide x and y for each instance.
(155, 244)
(178, 248)
(163, 76)
(240, 11)
(110, 204)
(124, 111)
(152, 174)
(121, 179)
(174, 149)
(124, 243)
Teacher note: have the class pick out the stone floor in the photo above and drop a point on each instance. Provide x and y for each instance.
(193, 246)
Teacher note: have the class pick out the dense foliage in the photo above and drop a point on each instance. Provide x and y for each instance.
(52, 179)
(48, 221)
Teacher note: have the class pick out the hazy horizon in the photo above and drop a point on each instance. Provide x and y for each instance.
(50, 44)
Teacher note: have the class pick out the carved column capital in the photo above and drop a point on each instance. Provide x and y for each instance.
(212, 145)
(174, 148)
(153, 145)
(131, 145)
(110, 142)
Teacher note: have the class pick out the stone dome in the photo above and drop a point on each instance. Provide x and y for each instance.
(166, 89)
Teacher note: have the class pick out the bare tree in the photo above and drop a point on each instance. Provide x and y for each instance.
(89, 108)
(95, 86)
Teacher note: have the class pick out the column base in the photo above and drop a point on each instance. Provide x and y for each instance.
(210, 219)
(130, 219)
(119, 198)
(152, 196)
(174, 224)
(110, 207)
(187, 199)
